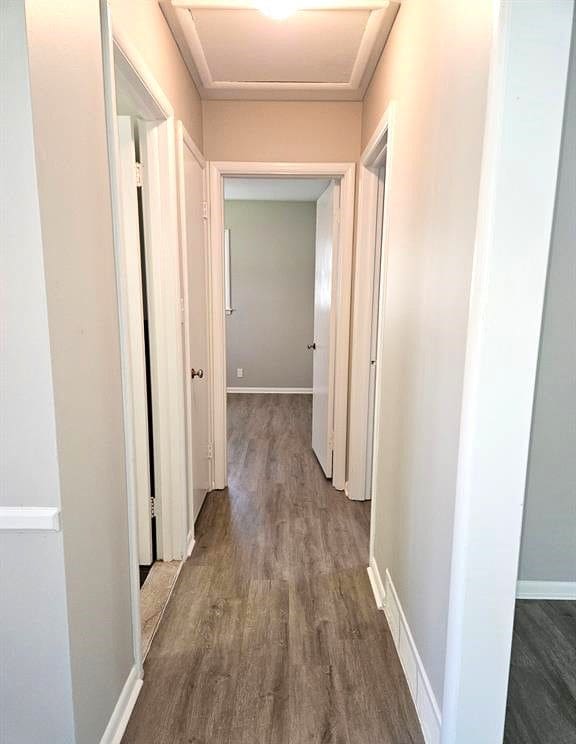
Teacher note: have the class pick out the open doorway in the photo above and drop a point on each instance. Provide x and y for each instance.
(142, 160)
(156, 577)
(323, 341)
(280, 239)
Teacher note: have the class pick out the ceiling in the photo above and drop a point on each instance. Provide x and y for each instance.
(275, 189)
(327, 51)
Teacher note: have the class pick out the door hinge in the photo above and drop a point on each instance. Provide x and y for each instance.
(204, 210)
(331, 440)
(210, 451)
(182, 311)
(152, 506)
(139, 171)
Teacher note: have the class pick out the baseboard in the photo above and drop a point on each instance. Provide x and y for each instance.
(377, 585)
(189, 544)
(281, 391)
(418, 683)
(123, 709)
(546, 590)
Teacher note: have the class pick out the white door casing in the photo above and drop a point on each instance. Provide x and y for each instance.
(327, 208)
(344, 173)
(374, 347)
(135, 332)
(373, 224)
(195, 271)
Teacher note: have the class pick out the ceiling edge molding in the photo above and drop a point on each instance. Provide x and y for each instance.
(373, 42)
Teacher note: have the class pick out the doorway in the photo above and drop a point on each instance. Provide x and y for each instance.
(331, 320)
(140, 125)
(369, 289)
(195, 292)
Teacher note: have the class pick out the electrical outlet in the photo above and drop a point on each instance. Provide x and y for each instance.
(239, 372)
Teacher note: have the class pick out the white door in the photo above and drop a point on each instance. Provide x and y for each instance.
(327, 208)
(376, 285)
(195, 269)
(135, 332)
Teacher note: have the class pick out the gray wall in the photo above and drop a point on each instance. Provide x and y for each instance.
(65, 52)
(66, 637)
(549, 538)
(272, 269)
(35, 677)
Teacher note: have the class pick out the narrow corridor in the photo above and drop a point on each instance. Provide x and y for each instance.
(272, 634)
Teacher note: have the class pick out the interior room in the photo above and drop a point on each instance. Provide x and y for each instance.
(270, 234)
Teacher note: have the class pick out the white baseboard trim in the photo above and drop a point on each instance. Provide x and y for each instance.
(546, 590)
(190, 544)
(422, 694)
(30, 518)
(281, 391)
(376, 584)
(123, 709)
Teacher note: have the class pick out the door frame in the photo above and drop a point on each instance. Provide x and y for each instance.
(525, 114)
(122, 61)
(183, 140)
(345, 173)
(379, 149)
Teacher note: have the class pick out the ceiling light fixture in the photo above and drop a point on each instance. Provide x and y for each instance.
(279, 10)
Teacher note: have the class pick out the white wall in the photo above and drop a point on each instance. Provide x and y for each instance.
(435, 66)
(549, 534)
(272, 271)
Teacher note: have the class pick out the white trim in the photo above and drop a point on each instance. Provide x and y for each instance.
(302, 4)
(345, 172)
(183, 140)
(377, 585)
(120, 56)
(381, 146)
(271, 390)
(123, 316)
(123, 708)
(190, 542)
(30, 518)
(546, 590)
(162, 258)
(418, 683)
(376, 32)
(525, 111)
(132, 276)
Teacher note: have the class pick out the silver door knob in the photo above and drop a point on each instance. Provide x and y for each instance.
(311, 346)
(197, 373)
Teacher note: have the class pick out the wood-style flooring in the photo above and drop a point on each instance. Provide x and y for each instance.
(542, 690)
(272, 635)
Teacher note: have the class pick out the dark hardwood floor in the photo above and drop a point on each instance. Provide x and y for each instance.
(272, 635)
(542, 692)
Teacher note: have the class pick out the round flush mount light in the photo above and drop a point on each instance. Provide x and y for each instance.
(277, 9)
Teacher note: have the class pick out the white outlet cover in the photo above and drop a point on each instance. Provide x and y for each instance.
(239, 372)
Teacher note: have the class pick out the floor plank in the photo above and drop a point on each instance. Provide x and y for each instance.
(272, 635)
(542, 689)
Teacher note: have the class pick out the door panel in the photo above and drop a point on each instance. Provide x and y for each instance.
(131, 253)
(374, 334)
(327, 208)
(198, 387)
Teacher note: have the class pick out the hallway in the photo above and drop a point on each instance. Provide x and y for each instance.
(272, 634)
